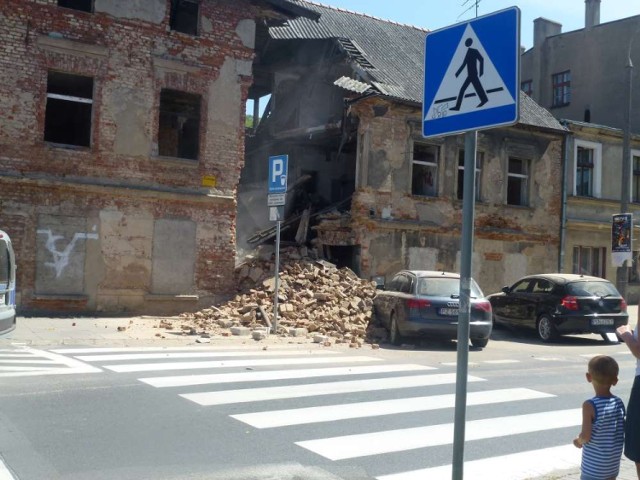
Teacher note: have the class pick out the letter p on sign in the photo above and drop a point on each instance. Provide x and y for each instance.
(278, 167)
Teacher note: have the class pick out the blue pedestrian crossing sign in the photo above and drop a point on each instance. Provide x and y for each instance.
(278, 167)
(471, 75)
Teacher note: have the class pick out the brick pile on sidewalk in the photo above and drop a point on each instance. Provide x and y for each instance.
(316, 300)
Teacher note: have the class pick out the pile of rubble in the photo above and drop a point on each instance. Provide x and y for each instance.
(316, 300)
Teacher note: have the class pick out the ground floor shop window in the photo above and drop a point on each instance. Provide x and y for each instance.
(590, 261)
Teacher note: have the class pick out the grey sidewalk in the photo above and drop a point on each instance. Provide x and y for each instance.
(627, 472)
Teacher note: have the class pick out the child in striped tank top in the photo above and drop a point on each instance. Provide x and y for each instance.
(602, 434)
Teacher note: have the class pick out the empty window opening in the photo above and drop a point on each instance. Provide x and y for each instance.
(424, 176)
(68, 112)
(179, 129)
(83, 5)
(518, 182)
(479, 160)
(184, 16)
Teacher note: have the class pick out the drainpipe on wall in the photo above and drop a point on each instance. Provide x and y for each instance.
(566, 156)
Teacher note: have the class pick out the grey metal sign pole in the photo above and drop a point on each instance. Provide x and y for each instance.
(462, 365)
(277, 279)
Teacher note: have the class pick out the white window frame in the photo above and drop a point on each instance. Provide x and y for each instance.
(524, 176)
(597, 166)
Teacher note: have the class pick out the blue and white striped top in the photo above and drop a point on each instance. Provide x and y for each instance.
(601, 455)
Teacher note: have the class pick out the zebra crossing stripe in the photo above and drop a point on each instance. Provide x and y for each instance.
(175, 355)
(189, 380)
(516, 466)
(315, 389)
(360, 445)
(77, 351)
(329, 413)
(14, 355)
(63, 365)
(34, 362)
(150, 367)
(5, 474)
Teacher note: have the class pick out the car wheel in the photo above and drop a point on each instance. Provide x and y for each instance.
(479, 342)
(394, 333)
(546, 329)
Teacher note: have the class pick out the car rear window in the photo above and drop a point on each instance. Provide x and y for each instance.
(592, 289)
(445, 287)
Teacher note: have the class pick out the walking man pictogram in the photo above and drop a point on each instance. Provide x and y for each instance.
(471, 61)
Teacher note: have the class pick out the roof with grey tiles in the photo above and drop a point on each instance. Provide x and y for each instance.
(389, 55)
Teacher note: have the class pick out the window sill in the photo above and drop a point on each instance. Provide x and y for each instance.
(520, 207)
(60, 296)
(183, 162)
(158, 297)
(64, 146)
(560, 105)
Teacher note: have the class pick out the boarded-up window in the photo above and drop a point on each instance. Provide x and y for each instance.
(60, 254)
(184, 16)
(179, 129)
(68, 113)
(83, 5)
(174, 255)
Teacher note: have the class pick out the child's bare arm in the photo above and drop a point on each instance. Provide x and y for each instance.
(588, 414)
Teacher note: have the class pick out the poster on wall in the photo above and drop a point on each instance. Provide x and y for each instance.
(621, 228)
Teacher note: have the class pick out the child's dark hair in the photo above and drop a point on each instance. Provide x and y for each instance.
(603, 369)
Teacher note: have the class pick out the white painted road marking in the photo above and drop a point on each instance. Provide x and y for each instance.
(330, 413)
(219, 378)
(61, 365)
(516, 466)
(314, 389)
(176, 355)
(149, 367)
(360, 445)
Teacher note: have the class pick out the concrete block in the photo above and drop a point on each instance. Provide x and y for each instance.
(240, 331)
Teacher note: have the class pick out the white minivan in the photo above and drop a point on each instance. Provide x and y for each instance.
(7, 285)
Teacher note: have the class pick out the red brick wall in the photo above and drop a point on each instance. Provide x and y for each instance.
(38, 178)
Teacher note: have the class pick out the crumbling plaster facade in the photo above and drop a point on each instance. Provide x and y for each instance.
(393, 229)
(115, 226)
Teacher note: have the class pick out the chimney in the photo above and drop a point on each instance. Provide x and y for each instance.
(591, 13)
(543, 28)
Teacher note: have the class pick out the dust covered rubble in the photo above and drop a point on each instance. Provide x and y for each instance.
(317, 302)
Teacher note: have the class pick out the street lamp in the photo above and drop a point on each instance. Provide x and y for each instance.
(622, 275)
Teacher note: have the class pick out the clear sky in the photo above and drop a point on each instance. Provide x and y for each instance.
(434, 14)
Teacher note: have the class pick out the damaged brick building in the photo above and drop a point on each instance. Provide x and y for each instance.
(345, 105)
(121, 145)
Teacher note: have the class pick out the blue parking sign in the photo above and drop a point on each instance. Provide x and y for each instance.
(278, 168)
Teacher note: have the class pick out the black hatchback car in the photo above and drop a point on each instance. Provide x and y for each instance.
(426, 303)
(556, 304)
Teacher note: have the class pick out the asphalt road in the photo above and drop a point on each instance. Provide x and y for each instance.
(296, 411)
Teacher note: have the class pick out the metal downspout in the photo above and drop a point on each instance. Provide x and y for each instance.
(566, 155)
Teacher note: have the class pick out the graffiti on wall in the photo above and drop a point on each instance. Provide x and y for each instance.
(61, 258)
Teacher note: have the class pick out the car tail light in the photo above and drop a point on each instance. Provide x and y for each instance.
(418, 303)
(484, 306)
(570, 302)
(623, 305)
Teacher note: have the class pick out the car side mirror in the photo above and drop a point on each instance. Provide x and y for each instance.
(506, 290)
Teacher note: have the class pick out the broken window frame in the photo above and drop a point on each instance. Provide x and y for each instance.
(52, 125)
(518, 183)
(460, 179)
(164, 112)
(177, 17)
(81, 5)
(429, 187)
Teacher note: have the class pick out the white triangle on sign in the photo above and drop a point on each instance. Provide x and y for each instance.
(447, 96)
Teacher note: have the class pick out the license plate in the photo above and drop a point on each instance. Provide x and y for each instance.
(449, 312)
(602, 321)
